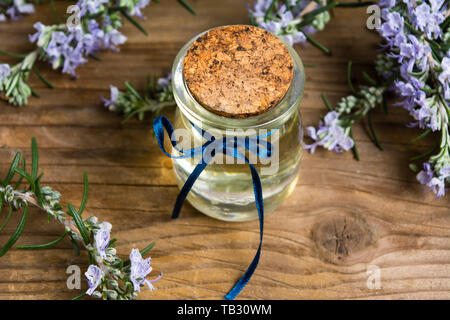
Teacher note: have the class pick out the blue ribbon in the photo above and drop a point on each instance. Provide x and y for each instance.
(228, 146)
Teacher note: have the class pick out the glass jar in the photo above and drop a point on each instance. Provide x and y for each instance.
(224, 190)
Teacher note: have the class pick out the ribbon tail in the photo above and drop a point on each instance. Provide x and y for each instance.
(186, 188)
(257, 189)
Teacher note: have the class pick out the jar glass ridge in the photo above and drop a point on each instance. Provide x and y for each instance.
(225, 191)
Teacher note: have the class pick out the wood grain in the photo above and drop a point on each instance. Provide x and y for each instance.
(343, 216)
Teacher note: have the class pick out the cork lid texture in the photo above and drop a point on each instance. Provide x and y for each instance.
(238, 71)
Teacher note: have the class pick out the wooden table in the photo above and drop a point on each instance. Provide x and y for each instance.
(344, 220)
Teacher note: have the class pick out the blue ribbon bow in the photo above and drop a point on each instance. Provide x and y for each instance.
(228, 146)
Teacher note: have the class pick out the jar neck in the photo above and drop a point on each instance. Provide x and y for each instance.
(271, 119)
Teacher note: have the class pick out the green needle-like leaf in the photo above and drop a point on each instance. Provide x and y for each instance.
(111, 242)
(133, 90)
(372, 131)
(147, 248)
(423, 135)
(15, 236)
(355, 4)
(187, 6)
(11, 54)
(369, 79)
(134, 22)
(349, 77)
(80, 223)
(34, 159)
(316, 44)
(55, 16)
(85, 194)
(426, 154)
(75, 246)
(43, 246)
(355, 149)
(308, 18)
(21, 177)
(325, 101)
(11, 170)
(27, 177)
(42, 78)
(38, 191)
(7, 218)
(79, 296)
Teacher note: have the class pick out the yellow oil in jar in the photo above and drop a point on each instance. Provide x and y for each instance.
(225, 191)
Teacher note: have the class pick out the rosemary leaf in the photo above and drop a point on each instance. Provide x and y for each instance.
(369, 79)
(316, 44)
(15, 236)
(7, 218)
(354, 149)
(34, 159)
(42, 78)
(43, 246)
(55, 16)
(372, 131)
(20, 177)
(349, 77)
(422, 135)
(325, 101)
(11, 171)
(79, 296)
(85, 194)
(79, 222)
(185, 4)
(134, 22)
(27, 177)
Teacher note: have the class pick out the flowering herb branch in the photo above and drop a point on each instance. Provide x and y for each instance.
(335, 130)
(157, 95)
(67, 46)
(296, 20)
(14, 9)
(108, 276)
(415, 63)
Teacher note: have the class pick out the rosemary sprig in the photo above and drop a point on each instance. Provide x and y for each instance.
(335, 132)
(101, 27)
(130, 103)
(113, 280)
(296, 20)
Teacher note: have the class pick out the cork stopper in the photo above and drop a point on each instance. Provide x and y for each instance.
(238, 71)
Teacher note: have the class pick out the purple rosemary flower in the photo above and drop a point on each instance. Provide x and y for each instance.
(165, 82)
(284, 18)
(393, 26)
(114, 96)
(39, 30)
(2, 17)
(101, 239)
(329, 135)
(139, 270)
(260, 8)
(436, 182)
(93, 41)
(91, 6)
(387, 3)
(444, 77)
(94, 277)
(112, 39)
(5, 71)
(19, 8)
(136, 11)
(428, 18)
(414, 53)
